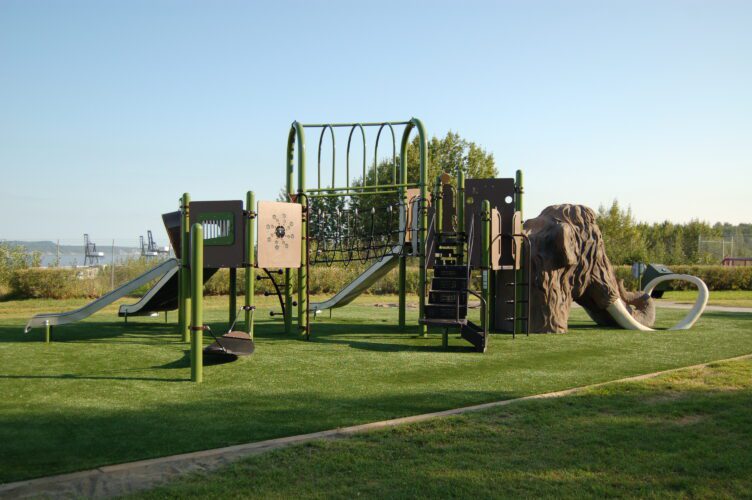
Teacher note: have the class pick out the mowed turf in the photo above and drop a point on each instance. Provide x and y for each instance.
(683, 435)
(104, 392)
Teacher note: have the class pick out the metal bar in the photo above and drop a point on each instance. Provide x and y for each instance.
(349, 142)
(184, 276)
(295, 136)
(460, 210)
(359, 189)
(340, 195)
(250, 261)
(485, 240)
(376, 153)
(233, 295)
(423, 212)
(47, 332)
(302, 198)
(363, 124)
(518, 273)
(334, 156)
(197, 313)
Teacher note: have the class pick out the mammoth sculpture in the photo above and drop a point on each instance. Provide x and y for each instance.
(569, 264)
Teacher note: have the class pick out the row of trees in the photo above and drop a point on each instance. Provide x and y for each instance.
(695, 242)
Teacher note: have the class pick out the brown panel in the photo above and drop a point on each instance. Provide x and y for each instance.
(500, 194)
(221, 250)
(279, 226)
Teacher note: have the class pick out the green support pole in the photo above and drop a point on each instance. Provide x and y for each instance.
(233, 295)
(520, 275)
(423, 214)
(302, 281)
(402, 276)
(47, 332)
(197, 313)
(250, 260)
(184, 276)
(295, 135)
(485, 255)
(439, 204)
(461, 212)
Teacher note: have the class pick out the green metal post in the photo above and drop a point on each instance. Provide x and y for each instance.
(233, 295)
(439, 204)
(485, 255)
(520, 275)
(295, 136)
(423, 214)
(302, 279)
(197, 313)
(184, 276)
(250, 260)
(461, 211)
(47, 332)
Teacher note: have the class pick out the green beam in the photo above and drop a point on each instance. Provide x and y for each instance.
(197, 313)
(184, 276)
(485, 255)
(520, 275)
(250, 260)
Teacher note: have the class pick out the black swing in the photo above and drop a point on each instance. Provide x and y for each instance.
(233, 343)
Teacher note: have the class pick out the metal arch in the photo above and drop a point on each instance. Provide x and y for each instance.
(376, 155)
(334, 153)
(349, 141)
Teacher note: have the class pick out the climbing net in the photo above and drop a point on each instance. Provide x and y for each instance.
(354, 230)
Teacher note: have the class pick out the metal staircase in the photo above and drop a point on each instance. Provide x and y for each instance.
(447, 299)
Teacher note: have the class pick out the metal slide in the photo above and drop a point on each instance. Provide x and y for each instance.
(54, 319)
(143, 307)
(360, 284)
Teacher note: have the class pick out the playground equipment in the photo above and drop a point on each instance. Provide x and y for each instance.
(467, 235)
(91, 254)
(150, 248)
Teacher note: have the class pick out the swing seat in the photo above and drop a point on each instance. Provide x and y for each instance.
(231, 344)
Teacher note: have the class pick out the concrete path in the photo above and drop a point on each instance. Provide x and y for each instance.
(680, 305)
(122, 479)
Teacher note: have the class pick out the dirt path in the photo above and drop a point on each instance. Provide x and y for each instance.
(121, 479)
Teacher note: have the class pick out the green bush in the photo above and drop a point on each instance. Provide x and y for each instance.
(53, 283)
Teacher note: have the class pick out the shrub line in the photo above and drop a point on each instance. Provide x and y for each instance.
(130, 477)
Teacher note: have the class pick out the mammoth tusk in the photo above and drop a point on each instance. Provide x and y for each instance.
(618, 311)
(620, 314)
(697, 309)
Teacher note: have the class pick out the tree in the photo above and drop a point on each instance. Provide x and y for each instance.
(621, 235)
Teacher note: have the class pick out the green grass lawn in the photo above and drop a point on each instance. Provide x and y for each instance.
(735, 298)
(681, 435)
(104, 392)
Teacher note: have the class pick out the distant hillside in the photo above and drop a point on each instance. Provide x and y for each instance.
(73, 254)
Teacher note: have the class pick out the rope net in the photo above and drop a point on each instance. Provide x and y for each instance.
(354, 230)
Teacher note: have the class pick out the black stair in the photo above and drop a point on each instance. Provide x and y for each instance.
(447, 299)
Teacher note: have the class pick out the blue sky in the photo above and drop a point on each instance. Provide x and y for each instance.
(110, 110)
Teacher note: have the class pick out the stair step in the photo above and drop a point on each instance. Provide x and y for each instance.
(449, 284)
(447, 297)
(450, 271)
(445, 311)
(445, 323)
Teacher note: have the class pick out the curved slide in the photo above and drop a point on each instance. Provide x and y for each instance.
(161, 297)
(54, 319)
